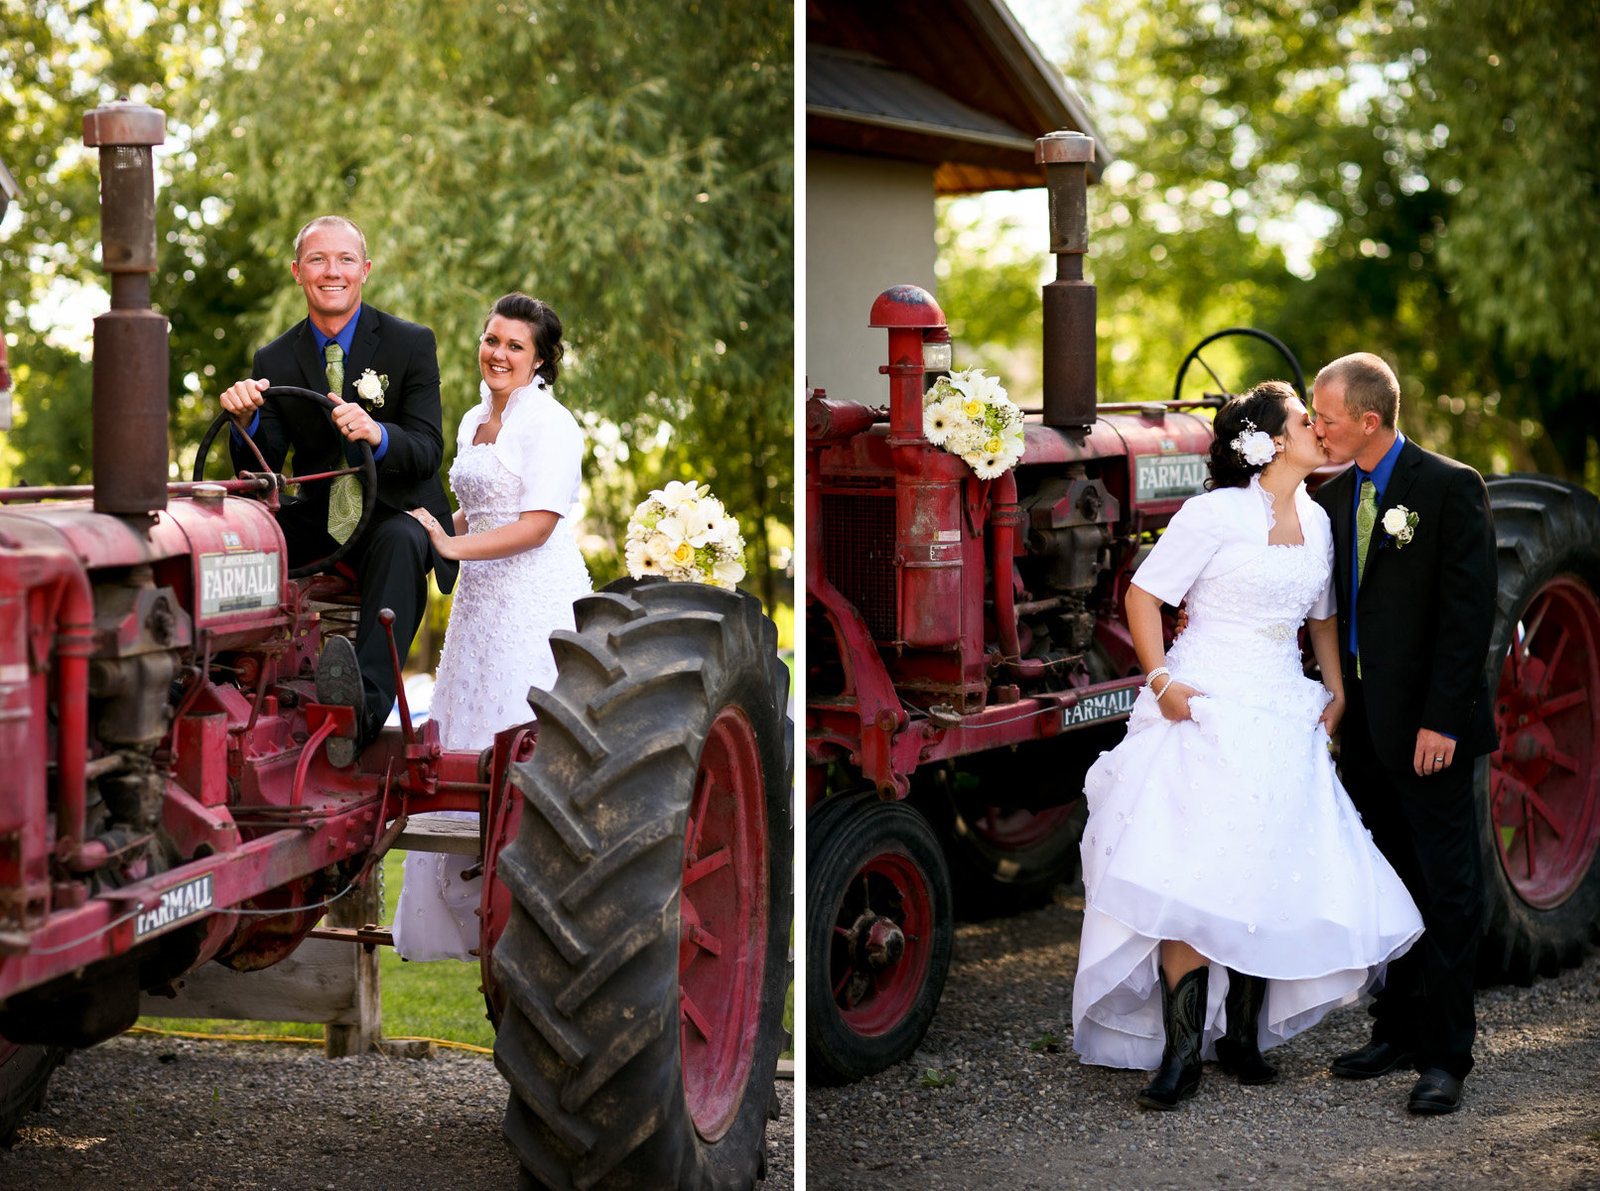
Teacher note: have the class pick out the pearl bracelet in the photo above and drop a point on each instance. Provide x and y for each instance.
(1155, 674)
(1164, 687)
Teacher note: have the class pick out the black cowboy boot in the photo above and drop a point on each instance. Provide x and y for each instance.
(1183, 1012)
(1238, 1051)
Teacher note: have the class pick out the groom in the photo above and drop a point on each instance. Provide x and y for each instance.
(329, 351)
(1415, 574)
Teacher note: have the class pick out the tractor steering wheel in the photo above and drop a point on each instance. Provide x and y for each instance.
(1251, 332)
(365, 469)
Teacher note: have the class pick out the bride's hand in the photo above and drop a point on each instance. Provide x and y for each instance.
(1333, 713)
(442, 542)
(1174, 701)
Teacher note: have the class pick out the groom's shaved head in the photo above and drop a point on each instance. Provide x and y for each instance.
(1369, 386)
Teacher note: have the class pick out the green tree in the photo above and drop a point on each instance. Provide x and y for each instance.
(631, 163)
(56, 63)
(1404, 178)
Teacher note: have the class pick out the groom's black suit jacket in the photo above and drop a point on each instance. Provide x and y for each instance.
(1425, 610)
(408, 474)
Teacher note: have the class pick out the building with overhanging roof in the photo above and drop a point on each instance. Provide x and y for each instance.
(907, 101)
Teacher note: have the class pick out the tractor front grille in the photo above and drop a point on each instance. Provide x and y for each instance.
(858, 551)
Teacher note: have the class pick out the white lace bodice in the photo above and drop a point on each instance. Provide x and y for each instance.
(504, 609)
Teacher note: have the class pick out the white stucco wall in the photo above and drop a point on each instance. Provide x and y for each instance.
(869, 225)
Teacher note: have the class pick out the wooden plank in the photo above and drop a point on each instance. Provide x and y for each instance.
(360, 907)
(317, 983)
(434, 833)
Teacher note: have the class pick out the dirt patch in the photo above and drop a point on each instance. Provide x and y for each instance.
(996, 1097)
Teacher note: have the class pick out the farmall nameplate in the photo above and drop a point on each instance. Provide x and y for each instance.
(181, 902)
(1108, 705)
(1168, 477)
(238, 582)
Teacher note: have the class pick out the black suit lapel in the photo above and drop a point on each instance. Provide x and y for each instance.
(363, 347)
(1400, 482)
(310, 360)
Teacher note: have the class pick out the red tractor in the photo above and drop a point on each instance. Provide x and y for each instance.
(166, 798)
(968, 660)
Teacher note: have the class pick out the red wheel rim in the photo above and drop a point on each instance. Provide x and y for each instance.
(875, 1000)
(1019, 830)
(1544, 783)
(724, 910)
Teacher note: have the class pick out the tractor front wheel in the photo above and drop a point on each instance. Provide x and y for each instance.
(880, 929)
(1539, 795)
(24, 1071)
(645, 962)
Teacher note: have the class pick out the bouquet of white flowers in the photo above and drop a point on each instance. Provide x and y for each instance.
(683, 532)
(969, 414)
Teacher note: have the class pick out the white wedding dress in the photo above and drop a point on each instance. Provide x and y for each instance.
(1231, 832)
(497, 644)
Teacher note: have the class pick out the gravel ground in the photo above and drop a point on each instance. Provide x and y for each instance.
(1012, 1113)
(147, 1113)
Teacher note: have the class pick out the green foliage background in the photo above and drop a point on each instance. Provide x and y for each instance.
(1418, 179)
(631, 163)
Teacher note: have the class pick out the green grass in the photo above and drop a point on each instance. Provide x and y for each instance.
(433, 1000)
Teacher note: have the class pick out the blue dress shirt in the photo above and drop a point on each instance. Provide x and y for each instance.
(344, 339)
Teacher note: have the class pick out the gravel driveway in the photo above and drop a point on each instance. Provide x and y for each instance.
(1015, 1115)
(146, 1113)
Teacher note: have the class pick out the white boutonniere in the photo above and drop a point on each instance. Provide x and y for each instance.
(371, 388)
(1400, 523)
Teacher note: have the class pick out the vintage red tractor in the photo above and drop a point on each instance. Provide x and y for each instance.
(968, 660)
(166, 799)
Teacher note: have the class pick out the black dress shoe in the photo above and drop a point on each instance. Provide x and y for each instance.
(339, 685)
(1373, 1059)
(1437, 1091)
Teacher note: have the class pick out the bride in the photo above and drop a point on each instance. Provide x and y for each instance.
(1232, 896)
(516, 472)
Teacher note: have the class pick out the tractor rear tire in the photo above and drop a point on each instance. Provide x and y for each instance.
(1538, 796)
(645, 961)
(24, 1072)
(871, 863)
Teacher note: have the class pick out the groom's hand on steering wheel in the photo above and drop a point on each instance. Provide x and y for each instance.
(355, 423)
(241, 400)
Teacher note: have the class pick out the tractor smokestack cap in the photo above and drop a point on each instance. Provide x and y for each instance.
(906, 306)
(1055, 148)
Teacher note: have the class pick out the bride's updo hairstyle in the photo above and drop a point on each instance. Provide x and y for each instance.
(1265, 407)
(546, 330)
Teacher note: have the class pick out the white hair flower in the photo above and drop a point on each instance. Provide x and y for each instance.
(1254, 446)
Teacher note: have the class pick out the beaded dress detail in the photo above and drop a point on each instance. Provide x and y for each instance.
(1231, 832)
(497, 646)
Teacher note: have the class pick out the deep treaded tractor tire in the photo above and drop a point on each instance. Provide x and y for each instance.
(1538, 798)
(646, 957)
(24, 1071)
(879, 934)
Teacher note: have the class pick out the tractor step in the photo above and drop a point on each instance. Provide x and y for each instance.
(435, 833)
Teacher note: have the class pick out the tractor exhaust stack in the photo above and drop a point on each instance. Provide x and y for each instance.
(1069, 300)
(130, 339)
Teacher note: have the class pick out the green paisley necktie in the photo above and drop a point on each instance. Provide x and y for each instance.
(1366, 518)
(344, 497)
